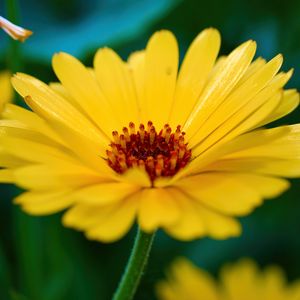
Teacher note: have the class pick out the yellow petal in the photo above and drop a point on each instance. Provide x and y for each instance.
(51, 106)
(105, 193)
(30, 120)
(165, 291)
(221, 192)
(161, 66)
(63, 92)
(50, 176)
(44, 203)
(247, 117)
(192, 280)
(294, 292)
(104, 223)
(239, 98)
(240, 280)
(266, 166)
(288, 103)
(136, 65)
(189, 226)
(186, 281)
(232, 194)
(285, 146)
(219, 226)
(82, 216)
(6, 176)
(220, 85)
(38, 152)
(220, 63)
(5, 88)
(253, 68)
(117, 85)
(193, 74)
(10, 161)
(241, 122)
(253, 139)
(83, 88)
(274, 283)
(157, 208)
(85, 149)
(136, 176)
(116, 224)
(33, 151)
(237, 145)
(16, 129)
(197, 221)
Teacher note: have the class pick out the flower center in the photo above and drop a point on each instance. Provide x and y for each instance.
(160, 153)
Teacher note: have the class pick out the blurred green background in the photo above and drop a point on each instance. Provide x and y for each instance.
(40, 259)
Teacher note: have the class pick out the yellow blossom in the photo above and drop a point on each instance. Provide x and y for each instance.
(130, 141)
(240, 281)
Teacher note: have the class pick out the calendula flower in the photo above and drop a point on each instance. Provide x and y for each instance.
(242, 280)
(139, 140)
(6, 90)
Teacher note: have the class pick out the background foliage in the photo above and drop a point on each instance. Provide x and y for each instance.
(40, 259)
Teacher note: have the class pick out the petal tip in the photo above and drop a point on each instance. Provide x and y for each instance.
(160, 35)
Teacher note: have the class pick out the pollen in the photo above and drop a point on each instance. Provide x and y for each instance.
(161, 153)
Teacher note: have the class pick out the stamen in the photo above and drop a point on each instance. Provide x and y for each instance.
(152, 135)
(177, 133)
(122, 155)
(173, 160)
(115, 149)
(158, 170)
(126, 134)
(150, 162)
(142, 132)
(160, 160)
(111, 156)
(123, 141)
(159, 154)
(132, 128)
(163, 133)
(122, 163)
(133, 161)
(168, 134)
(181, 141)
(142, 164)
(181, 152)
(150, 124)
(116, 137)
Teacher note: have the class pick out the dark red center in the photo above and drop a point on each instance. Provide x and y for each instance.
(160, 153)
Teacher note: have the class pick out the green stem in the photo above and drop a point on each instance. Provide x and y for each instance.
(135, 266)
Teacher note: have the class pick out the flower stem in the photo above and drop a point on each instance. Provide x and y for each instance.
(135, 266)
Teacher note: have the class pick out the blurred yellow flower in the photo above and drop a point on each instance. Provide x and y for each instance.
(14, 31)
(240, 281)
(6, 90)
(138, 140)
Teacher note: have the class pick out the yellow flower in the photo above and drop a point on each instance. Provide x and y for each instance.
(196, 162)
(6, 90)
(240, 281)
